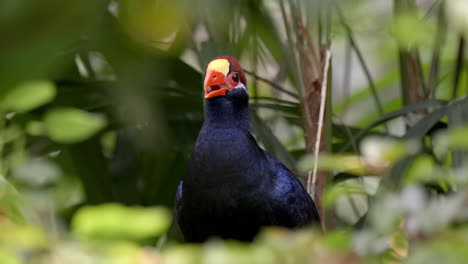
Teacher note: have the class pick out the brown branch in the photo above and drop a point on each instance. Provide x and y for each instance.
(412, 81)
(314, 110)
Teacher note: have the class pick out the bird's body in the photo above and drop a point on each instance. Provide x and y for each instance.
(232, 187)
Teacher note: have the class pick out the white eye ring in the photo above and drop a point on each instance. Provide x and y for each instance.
(240, 86)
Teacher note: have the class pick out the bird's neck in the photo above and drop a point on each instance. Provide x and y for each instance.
(222, 112)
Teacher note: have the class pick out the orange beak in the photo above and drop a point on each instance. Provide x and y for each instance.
(215, 84)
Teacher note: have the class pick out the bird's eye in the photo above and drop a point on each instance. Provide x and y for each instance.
(235, 77)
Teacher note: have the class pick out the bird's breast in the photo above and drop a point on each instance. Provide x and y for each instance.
(224, 150)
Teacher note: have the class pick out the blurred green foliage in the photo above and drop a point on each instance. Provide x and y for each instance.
(101, 101)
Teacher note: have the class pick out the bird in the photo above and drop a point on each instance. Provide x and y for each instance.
(232, 188)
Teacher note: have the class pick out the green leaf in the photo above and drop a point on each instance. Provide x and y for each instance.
(285, 109)
(344, 162)
(395, 176)
(419, 169)
(458, 126)
(338, 240)
(25, 237)
(7, 257)
(37, 172)
(341, 190)
(35, 128)
(29, 95)
(184, 253)
(424, 170)
(420, 129)
(394, 114)
(452, 139)
(409, 30)
(70, 125)
(449, 248)
(111, 221)
(11, 201)
(364, 93)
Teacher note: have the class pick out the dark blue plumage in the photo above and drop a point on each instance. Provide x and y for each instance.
(232, 187)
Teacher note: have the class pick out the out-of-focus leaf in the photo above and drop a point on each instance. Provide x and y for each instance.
(229, 253)
(23, 237)
(45, 43)
(431, 216)
(126, 253)
(341, 190)
(37, 172)
(424, 170)
(69, 125)
(397, 113)
(274, 100)
(285, 109)
(7, 257)
(210, 49)
(457, 15)
(420, 167)
(67, 193)
(452, 139)
(349, 163)
(152, 22)
(10, 202)
(108, 141)
(35, 128)
(263, 31)
(396, 174)
(458, 125)
(29, 95)
(338, 240)
(387, 150)
(385, 213)
(114, 221)
(420, 129)
(83, 95)
(183, 254)
(390, 105)
(410, 30)
(364, 93)
(86, 160)
(448, 250)
(345, 134)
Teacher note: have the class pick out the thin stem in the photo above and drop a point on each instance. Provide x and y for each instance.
(255, 62)
(435, 60)
(347, 72)
(323, 95)
(362, 62)
(421, 76)
(431, 8)
(272, 84)
(292, 55)
(297, 26)
(459, 66)
(328, 25)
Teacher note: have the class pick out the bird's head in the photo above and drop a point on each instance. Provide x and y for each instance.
(223, 74)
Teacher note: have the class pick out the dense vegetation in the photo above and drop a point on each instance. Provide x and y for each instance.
(101, 102)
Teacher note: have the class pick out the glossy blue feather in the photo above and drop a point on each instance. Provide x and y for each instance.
(232, 187)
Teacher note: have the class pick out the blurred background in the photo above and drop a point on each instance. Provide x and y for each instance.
(101, 102)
